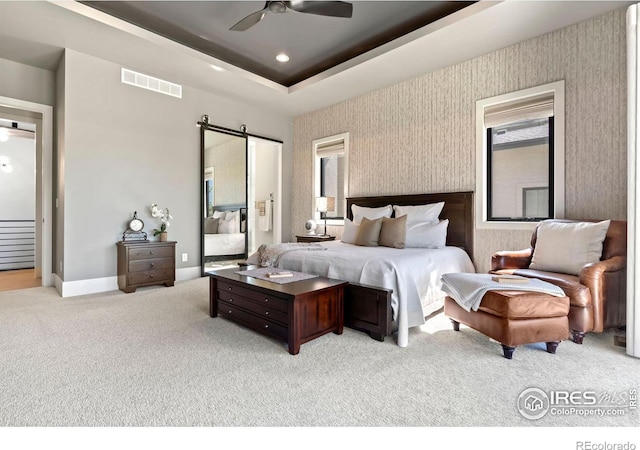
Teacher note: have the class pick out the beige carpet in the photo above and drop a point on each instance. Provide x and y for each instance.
(155, 358)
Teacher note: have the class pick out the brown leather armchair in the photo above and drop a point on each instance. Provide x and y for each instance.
(597, 296)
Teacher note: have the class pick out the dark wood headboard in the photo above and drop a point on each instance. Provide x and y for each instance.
(458, 208)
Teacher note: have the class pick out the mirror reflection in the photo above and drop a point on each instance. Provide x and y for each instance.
(225, 199)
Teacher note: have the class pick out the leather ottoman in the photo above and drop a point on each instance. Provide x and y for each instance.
(515, 318)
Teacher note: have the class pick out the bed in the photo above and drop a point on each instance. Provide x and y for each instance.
(225, 233)
(409, 278)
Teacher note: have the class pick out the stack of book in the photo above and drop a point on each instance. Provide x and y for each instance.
(279, 275)
(509, 279)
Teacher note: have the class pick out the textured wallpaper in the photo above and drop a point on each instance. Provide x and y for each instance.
(418, 136)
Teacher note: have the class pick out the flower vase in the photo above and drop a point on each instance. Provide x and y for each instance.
(163, 236)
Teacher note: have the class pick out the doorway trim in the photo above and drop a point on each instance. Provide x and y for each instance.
(45, 136)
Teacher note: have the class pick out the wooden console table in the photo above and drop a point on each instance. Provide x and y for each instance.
(295, 312)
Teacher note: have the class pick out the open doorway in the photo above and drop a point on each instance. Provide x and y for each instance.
(25, 194)
(17, 205)
(265, 191)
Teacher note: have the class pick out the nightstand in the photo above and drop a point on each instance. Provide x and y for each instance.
(145, 263)
(315, 238)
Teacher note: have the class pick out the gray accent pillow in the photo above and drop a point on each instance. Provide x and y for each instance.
(393, 232)
(369, 232)
(211, 225)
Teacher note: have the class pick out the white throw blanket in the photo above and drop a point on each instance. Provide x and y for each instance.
(467, 289)
(268, 255)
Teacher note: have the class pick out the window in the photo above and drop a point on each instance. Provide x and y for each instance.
(520, 158)
(330, 176)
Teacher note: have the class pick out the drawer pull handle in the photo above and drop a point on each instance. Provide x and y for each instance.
(229, 287)
(266, 325)
(152, 264)
(151, 253)
(151, 276)
(230, 299)
(266, 313)
(229, 311)
(266, 299)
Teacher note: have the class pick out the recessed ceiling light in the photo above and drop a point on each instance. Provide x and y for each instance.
(282, 57)
(217, 68)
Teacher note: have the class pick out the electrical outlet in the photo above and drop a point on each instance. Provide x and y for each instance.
(184, 257)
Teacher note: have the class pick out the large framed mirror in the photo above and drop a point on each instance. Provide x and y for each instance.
(223, 197)
(240, 194)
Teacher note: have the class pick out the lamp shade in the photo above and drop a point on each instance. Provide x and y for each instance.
(321, 204)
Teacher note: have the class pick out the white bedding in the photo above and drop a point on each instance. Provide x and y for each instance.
(224, 244)
(414, 274)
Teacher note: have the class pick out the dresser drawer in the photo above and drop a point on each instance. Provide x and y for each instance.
(150, 253)
(149, 276)
(151, 264)
(272, 302)
(261, 309)
(243, 317)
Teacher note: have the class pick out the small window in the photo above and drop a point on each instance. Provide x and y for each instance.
(332, 184)
(330, 177)
(519, 170)
(520, 157)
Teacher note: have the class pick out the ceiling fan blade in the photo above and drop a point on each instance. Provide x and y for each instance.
(249, 21)
(334, 9)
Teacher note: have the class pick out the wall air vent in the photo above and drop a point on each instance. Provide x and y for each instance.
(151, 83)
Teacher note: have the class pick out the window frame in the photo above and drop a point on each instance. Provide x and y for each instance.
(318, 144)
(556, 155)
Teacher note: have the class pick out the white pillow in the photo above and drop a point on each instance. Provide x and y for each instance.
(370, 213)
(349, 232)
(234, 215)
(427, 235)
(568, 247)
(228, 226)
(420, 213)
(219, 214)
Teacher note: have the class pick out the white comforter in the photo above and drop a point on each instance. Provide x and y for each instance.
(224, 244)
(414, 274)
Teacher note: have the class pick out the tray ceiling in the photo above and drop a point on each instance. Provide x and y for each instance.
(314, 43)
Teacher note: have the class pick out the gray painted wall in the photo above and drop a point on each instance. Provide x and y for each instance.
(124, 148)
(26, 82)
(419, 135)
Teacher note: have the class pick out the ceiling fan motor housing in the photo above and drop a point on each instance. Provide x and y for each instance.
(277, 7)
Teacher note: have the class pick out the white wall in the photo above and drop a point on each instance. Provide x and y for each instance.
(18, 188)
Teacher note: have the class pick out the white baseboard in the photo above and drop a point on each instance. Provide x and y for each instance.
(188, 273)
(97, 285)
(83, 287)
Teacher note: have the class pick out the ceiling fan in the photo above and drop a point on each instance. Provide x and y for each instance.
(320, 8)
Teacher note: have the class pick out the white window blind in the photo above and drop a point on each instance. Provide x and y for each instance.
(538, 107)
(333, 148)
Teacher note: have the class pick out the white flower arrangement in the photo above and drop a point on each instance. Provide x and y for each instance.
(164, 216)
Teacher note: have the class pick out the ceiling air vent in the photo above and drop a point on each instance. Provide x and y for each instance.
(151, 83)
